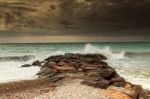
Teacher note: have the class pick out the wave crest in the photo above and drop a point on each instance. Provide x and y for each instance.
(89, 48)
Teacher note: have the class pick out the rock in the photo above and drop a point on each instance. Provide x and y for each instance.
(104, 64)
(101, 57)
(51, 64)
(116, 79)
(90, 60)
(56, 78)
(76, 65)
(128, 86)
(96, 82)
(107, 73)
(65, 68)
(119, 84)
(92, 74)
(36, 63)
(57, 59)
(130, 93)
(87, 67)
(144, 94)
(113, 94)
(26, 65)
(61, 63)
(46, 71)
(137, 89)
(69, 55)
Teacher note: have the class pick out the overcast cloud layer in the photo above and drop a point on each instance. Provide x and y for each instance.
(129, 19)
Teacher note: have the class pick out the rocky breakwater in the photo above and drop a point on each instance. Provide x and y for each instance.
(94, 72)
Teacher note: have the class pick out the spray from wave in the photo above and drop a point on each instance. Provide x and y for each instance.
(89, 48)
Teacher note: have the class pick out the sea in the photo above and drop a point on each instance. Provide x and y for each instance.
(130, 59)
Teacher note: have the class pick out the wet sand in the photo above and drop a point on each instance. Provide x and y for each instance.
(25, 89)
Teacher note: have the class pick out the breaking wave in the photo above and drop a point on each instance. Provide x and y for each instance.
(89, 48)
(107, 51)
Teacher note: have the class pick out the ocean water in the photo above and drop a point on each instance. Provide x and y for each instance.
(131, 60)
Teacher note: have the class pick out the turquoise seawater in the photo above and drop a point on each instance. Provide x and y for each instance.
(131, 60)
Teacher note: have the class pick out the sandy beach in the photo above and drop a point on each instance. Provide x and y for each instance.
(25, 89)
(66, 89)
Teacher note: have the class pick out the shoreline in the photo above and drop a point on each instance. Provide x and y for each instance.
(66, 74)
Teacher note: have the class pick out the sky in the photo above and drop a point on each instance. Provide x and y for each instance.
(87, 21)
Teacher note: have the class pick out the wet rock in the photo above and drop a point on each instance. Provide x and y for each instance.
(90, 60)
(56, 78)
(36, 63)
(137, 89)
(46, 71)
(119, 84)
(114, 94)
(57, 58)
(94, 74)
(117, 79)
(104, 64)
(96, 82)
(101, 57)
(74, 64)
(26, 65)
(130, 93)
(64, 68)
(144, 94)
(107, 73)
(87, 67)
(69, 55)
(61, 63)
(51, 64)
(128, 86)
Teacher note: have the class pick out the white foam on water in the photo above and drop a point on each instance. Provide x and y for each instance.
(89, 48)
(12, 71)
(137, 79)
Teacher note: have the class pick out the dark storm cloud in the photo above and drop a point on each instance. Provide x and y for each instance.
(107, 14)
(112, 18)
